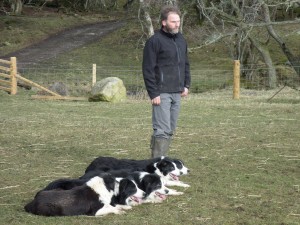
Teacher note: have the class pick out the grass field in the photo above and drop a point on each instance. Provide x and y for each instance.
(243, 155)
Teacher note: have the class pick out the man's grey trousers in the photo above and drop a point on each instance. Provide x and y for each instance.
(165, 115)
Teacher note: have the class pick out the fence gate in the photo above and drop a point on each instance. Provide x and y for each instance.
(8, 73)
(9, 77)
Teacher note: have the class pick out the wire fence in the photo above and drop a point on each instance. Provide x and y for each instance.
(79, 80)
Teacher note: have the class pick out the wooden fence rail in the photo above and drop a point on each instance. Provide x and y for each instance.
(8, 73)
(9, 77)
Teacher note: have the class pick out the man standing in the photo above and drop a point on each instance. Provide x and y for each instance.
(166, 73)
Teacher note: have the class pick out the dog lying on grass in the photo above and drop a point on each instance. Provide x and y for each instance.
(97, 197)
(110, 185)
(167, 168)
(152, 184)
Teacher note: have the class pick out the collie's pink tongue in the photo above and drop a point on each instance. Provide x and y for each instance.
(162, 196)
(174, 177)
(136, 199)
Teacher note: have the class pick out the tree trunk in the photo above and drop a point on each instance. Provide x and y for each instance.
(181, 21)
(94, 4)
(16, 6)
(292, 59)
(272, 79)
(171, 2)
(86, 4)
(128, 4)
(145, 19)
(103, 3)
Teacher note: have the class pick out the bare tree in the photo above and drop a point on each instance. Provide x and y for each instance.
(235, 21)
(128, 4)
(170, 2)
(16, 6)
(145, 18)
(95, 4)
(292, 58)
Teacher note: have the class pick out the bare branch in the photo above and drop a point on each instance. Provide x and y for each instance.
(213, 40)
(274, 23)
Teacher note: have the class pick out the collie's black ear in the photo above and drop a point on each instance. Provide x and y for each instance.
(109, 181)
(150, 168)
(124, 185)
(162, 163)
(126, 188)
(114, 201)
(144, 184)
(165, 166)
(150, 183)
(179, 163)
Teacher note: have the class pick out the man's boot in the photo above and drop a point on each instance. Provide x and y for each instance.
(159, 146)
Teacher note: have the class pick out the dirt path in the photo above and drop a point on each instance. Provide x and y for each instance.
(64, 41)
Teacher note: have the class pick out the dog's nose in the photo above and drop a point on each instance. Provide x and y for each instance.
(167, 191)
(188, 170)
(181, 173)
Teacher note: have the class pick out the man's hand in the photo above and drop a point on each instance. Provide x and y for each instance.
(156, 100)
(185, 92)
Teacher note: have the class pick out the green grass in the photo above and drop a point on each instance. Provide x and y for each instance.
(243, 155)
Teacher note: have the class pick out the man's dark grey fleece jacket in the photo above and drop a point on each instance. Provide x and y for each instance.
(166, 67)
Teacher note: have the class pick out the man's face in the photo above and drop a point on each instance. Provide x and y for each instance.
(172, 23)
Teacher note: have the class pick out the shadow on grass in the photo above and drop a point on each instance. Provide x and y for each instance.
(284, 101)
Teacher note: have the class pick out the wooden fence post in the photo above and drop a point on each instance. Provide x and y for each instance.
(236, 79)
(94, 74)
(13, 75)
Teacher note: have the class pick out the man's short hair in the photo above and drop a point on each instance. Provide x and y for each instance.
(166, 10)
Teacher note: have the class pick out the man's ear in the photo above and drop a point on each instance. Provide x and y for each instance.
(163, 23)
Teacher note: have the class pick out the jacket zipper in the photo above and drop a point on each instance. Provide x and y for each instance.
(178, 58)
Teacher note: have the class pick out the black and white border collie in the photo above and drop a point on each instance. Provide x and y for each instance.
(167, 168)
(96, 197)
(152, 184)
(110, 185)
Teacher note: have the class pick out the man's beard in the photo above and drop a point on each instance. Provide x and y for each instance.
(170, 30)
